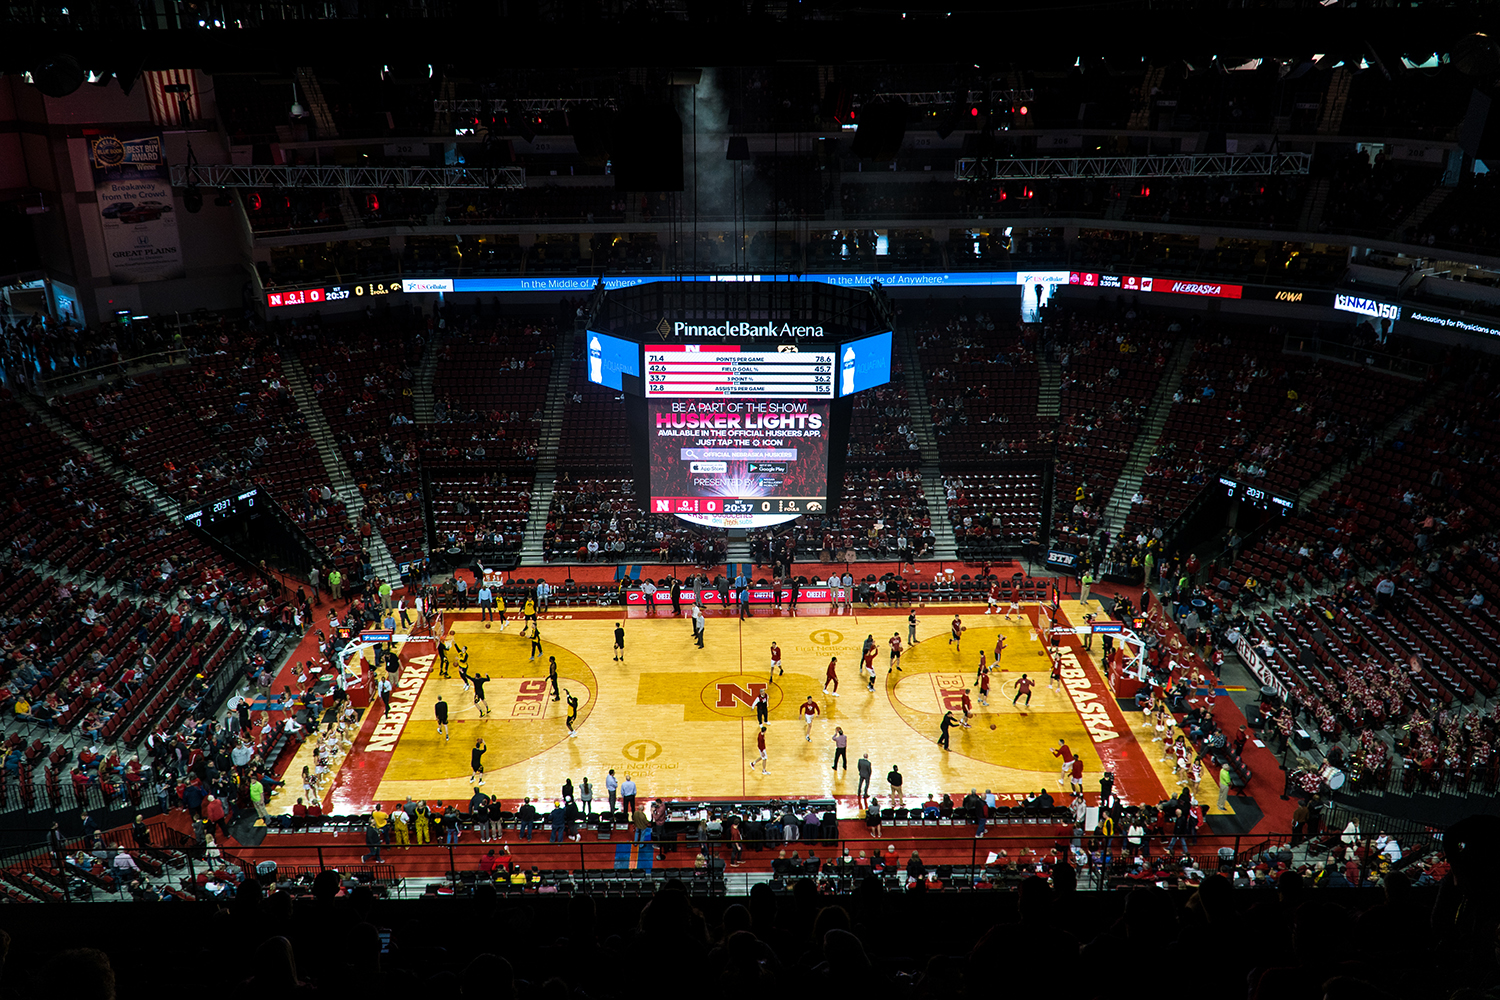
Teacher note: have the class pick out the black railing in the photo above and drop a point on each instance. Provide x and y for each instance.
(612, 858)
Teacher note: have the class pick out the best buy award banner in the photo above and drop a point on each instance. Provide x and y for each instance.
(134, 189)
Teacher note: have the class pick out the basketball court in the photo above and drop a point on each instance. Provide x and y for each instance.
(681, 721)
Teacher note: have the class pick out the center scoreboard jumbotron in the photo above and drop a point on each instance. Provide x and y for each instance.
(726, 371)
(739, 437)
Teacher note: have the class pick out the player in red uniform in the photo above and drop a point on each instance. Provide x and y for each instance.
(1076, 771)
(895, 642)
(1023, 688)
(760, 744)
(1063, 752)
(809, 709)
(999, 648)
(776, 667)
(984, 689)
(982, 668)
(867, 665)
(1055, 683)
(968, 707)
(832, 678)
(993, 607)
(957, 633)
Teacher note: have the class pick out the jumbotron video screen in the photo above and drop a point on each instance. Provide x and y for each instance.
(738, 463)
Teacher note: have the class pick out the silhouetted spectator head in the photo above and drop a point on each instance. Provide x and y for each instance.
(79, 974)
(830, 918)
(275, 965)
(736, 918)
(488, 976)
(326, 885)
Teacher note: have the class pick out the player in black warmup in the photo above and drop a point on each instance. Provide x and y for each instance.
(552, 676)
(441, 710)
(572, 713)
(479, 682)
(619, 642)
(536, 642)
(476, 761)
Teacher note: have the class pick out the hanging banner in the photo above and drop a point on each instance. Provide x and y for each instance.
(134, 189)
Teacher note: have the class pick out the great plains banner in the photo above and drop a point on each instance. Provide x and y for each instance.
(134, 189)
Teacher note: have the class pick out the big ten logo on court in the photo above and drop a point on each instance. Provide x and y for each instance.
(950, 691)
(531, 699)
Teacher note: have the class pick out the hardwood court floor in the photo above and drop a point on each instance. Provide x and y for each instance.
(679, 720)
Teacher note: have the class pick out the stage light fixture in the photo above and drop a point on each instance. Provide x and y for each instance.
(56, 75)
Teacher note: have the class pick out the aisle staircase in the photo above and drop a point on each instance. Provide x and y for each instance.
(423, 398)
(138, 486)
(1418, 215)
(1134, 470)
(339, 476)
(1140, 113)
(546, 448)
(1314, 490)
(1049, 393)
(1335, 100)
(921, 425)
(316, 104)
(1312, 206)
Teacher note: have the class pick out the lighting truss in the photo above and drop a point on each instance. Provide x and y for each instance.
(1108, 167)
(227, 175)
(920, 98)
(532, 105)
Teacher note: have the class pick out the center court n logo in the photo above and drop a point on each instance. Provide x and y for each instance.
(729, 693)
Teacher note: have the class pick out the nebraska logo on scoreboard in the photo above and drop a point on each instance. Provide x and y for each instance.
(301, 296)
(1136, 283)
(1201, 288)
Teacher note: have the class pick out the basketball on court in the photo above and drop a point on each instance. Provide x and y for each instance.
(489, 624)
(992, 725)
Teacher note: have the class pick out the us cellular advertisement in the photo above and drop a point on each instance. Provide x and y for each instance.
(738, 463)
(134, 189)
